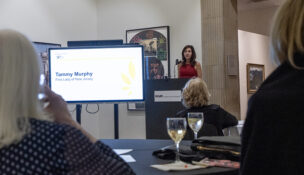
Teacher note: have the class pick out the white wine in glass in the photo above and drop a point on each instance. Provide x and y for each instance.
(195, 121)
(176, 135)
(176, 129)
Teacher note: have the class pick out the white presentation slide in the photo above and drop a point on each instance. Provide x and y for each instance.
(97, 74)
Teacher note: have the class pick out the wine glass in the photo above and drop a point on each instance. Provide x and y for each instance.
(176, 129)
(195, 121)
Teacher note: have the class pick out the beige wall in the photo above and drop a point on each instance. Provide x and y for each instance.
(52, 21)
(253, 48)
(254, 30)
(256, 20)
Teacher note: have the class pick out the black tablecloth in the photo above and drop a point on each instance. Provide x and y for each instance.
(142, 153)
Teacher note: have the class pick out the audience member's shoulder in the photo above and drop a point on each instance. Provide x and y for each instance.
(283, 77)
(48, 126)
(37, 122)
(212, 107)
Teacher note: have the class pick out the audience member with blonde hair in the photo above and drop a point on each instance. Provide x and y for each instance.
(196, 99)
(272, 137)
(34, 140)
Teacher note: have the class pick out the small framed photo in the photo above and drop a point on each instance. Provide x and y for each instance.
(155, 41)
(255, 77)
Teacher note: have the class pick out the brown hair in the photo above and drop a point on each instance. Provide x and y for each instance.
(193, 56)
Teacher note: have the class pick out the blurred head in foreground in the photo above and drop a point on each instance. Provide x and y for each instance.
(19, 86)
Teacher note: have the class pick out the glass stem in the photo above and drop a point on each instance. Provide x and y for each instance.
(195, 135)
(177, 152)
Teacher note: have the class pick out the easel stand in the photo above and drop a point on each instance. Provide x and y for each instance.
(116, 118)
(116, 122)
(78, 113)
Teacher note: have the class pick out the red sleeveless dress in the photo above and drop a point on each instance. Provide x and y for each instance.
(187, 71)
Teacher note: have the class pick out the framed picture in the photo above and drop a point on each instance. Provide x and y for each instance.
(255, 77)
(42, 52)
(155, 41)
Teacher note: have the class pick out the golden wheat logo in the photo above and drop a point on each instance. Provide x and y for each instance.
(129, 78)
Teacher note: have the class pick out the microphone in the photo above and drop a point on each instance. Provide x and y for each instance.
(177, 61)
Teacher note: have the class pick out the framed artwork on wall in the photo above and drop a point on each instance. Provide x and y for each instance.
(255, 77)
(42, 53)
(155, 41)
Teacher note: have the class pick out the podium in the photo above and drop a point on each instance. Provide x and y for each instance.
(157, 112)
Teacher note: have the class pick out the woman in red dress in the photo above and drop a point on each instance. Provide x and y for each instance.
(189, 68)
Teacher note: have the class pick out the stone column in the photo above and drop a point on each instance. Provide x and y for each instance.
(220, 62)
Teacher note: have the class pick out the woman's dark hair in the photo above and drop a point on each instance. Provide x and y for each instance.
(193, 56)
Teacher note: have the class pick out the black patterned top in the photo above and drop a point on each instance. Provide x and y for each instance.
(52, 148)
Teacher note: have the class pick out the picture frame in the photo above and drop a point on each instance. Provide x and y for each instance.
(232, 65)
(156, 42)
(255, 77)
(42, 53)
